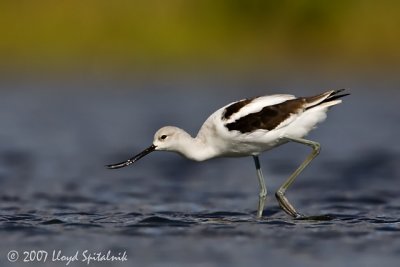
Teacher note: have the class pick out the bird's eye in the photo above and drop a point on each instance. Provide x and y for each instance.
(163, 137)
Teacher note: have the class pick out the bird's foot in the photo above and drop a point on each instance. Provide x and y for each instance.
(286, 206)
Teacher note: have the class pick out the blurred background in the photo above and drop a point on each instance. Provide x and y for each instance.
(87, 83)
(130, 39)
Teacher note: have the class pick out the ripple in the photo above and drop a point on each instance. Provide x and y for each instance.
(316, 218)
(388, 228)
(52, 221)
(277, 222)
(157, 221)
(84, 225)
(220, 214)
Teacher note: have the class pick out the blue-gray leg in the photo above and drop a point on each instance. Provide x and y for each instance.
(280, 194)
(263, 189)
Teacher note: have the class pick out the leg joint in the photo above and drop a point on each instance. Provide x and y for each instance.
(279, 194)
(317, 147)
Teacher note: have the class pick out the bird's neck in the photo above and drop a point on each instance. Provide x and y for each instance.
(196, 149)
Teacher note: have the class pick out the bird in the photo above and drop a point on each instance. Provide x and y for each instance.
(247, 128)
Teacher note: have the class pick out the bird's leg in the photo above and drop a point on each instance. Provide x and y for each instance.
(263, 189)
(280, 194)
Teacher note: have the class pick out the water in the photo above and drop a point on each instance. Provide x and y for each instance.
(56, 194)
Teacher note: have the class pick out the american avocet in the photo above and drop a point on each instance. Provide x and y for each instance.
(247, 128)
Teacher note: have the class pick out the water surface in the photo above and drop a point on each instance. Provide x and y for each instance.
(167, 211)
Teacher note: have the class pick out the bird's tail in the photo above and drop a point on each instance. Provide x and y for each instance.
(326, 99)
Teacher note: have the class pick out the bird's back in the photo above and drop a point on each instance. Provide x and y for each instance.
(250, 126)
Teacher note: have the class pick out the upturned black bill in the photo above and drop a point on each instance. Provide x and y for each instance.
(133, 159)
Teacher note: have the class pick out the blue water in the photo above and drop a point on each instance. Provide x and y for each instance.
(56, 194)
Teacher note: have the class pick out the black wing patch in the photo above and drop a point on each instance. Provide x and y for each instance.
(268, 118)
(235, 107)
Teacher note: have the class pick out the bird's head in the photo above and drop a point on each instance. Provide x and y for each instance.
(168, 138)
